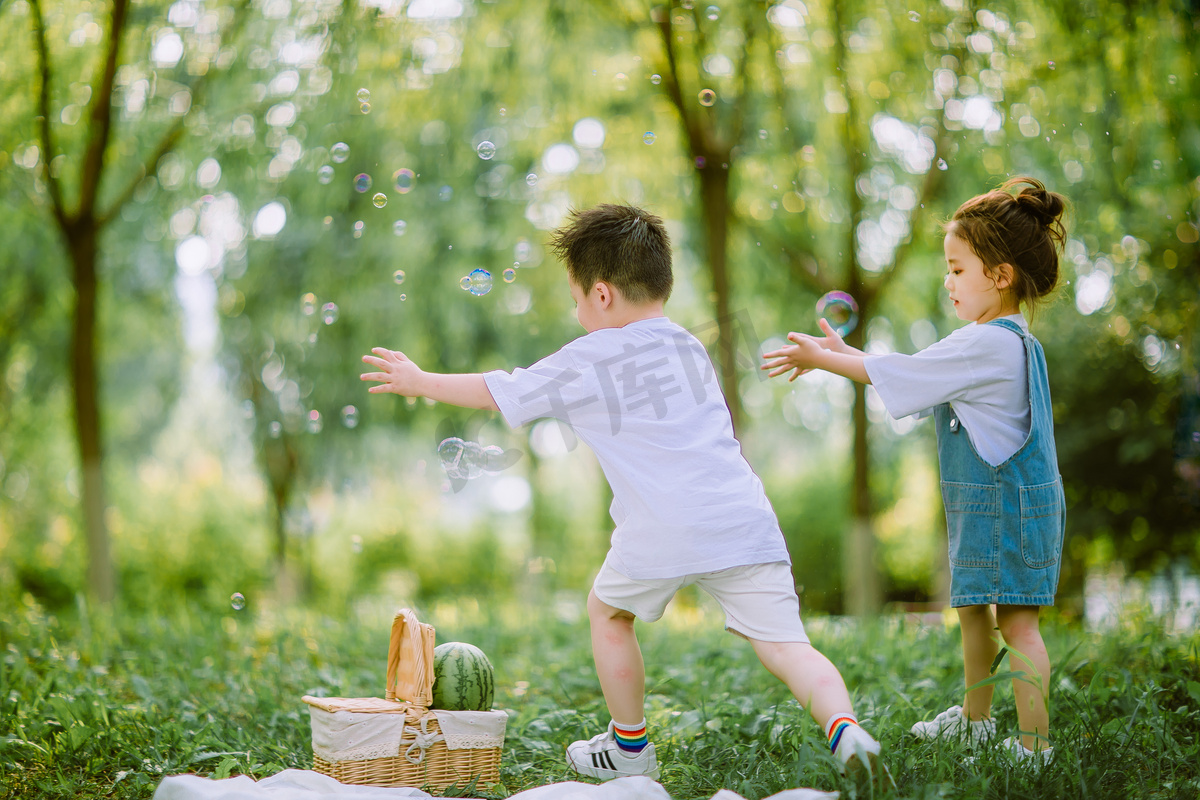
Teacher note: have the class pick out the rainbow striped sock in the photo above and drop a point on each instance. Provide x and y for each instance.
(630, 738)
(836, 727)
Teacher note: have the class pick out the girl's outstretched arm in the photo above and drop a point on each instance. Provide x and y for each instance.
(832, 339)
(809, 353)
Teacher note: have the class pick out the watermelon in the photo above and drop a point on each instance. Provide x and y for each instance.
(463, 678)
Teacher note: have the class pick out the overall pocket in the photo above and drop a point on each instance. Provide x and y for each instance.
(972, 510)
(1041, 524)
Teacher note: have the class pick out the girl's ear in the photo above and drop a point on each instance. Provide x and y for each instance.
(1004, 276)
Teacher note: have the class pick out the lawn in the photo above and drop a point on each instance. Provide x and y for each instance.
(95, 707)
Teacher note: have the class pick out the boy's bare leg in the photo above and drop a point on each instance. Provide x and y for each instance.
(979, 646)
(1019, 627)
(618, 661)
(811, 677)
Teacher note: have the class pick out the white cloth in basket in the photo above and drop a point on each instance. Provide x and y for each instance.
(356, 736)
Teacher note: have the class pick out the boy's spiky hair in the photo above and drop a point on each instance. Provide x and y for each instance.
(619, 244)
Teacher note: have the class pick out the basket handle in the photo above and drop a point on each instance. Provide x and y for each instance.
(410, 660)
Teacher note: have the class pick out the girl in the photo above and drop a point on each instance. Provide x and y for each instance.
(986, 386)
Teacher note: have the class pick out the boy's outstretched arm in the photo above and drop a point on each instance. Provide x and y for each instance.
(398, 375)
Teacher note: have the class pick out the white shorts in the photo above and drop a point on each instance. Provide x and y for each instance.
(759, 600)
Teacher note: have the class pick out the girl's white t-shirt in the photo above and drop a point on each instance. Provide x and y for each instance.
(979, 370)
(645, 399)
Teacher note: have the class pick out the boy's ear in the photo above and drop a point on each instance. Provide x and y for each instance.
(604, 293)
(1004, 276)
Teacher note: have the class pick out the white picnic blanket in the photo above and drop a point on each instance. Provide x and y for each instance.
(298, 784)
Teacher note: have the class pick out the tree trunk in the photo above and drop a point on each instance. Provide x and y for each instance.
(864, 594)
(101, 576)
(714, 199)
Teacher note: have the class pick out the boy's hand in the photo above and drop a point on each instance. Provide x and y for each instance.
(397, 373)
(798, 357)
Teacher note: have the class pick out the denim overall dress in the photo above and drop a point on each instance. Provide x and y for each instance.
(1005, 523)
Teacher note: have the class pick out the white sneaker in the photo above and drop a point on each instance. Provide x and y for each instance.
(601, 757)
(1020, 754)
(1014, 752)
(951, 724)
(858, 752)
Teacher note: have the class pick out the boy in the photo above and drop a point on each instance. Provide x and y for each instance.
(642, 393)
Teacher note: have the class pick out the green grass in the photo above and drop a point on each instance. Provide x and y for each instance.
(91, 707)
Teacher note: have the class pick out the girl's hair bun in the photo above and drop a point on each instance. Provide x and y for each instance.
(1043, 205)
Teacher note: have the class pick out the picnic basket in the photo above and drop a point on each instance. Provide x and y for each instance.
(398, 740)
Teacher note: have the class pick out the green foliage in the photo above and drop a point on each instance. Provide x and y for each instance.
(96, 708)
(1097, 98)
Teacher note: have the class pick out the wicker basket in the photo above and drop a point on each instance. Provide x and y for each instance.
(401, 736)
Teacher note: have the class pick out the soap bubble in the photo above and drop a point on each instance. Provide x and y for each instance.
(314, 421)
(399, 227)
(365, 108)
(358, 229)
(398, 276)
(712, 12)
(478, 283)
(531, 179)
(486, 150)
(510, 275)
(364, 95)
(308, 304)
(379, 200)
(942, 165)
(275, 429)
(339, 152)
(656, 79)
(465, 282)
(329, 313)
(445, 193)
(493, 459)
(707, 97)
(325, 174)
(648, 137)
(841, 311)
(472, 462)
(403, 297)
(237, 600)
(403, 179)
(350, 416)
(362, 182)
(450, 453)
(914, 16)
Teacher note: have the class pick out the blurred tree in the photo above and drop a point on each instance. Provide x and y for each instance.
(883, 216)
(81, 220)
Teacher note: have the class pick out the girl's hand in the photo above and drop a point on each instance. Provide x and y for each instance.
(397, 373)
(798, 357)
(831, 341)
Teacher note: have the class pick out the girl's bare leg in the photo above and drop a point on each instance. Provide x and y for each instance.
(979, 646)
(1019, 627)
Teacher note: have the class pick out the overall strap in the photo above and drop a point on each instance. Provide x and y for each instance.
(1038, 383)
(1008, 324)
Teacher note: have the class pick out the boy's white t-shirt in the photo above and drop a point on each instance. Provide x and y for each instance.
(979, 370)
(645, 398)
